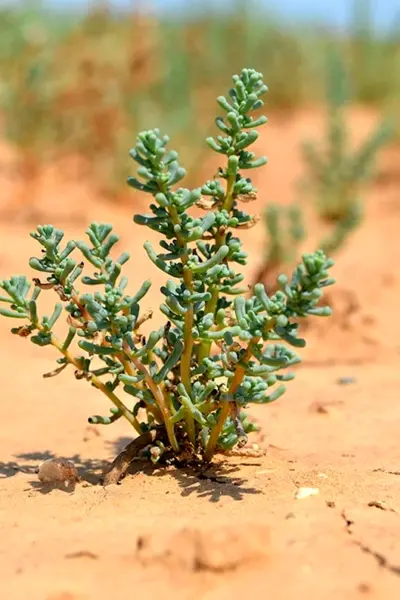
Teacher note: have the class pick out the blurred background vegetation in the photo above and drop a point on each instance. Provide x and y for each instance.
(76, 84)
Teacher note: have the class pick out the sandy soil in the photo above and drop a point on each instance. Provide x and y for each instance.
(171, 533)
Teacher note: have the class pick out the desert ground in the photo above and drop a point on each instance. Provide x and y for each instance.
(244, 532)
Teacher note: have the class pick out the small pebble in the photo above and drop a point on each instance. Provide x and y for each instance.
(364, 588)
(304, 492)
(346, 380)
(290, 516)
(58, 470)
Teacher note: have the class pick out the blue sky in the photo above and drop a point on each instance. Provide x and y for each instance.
(333, 12)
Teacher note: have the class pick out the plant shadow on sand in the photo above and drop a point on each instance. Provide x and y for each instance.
(215, 482)
(218, 481)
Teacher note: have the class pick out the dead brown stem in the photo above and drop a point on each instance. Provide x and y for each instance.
(121, 463)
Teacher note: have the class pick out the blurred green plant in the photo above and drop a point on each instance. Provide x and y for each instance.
(27, 98)
(335, 176)
(285, 232)
(374, 58)
(335, 172)
(186, 384)
(122, 72)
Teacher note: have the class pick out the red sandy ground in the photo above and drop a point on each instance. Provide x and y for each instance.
(170, 533)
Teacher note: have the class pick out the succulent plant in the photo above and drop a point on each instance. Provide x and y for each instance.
(183, 388)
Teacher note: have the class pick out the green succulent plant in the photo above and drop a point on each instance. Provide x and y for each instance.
(336, 173)
(183, 388)
(334, 178)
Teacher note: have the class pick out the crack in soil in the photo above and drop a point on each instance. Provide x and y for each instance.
(385, 471)
(348, 522)
(380, 558)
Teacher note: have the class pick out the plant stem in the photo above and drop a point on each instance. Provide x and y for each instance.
(129, 370)
(121, 463)
(159, 398)
(229, 192)
(125, 412)
(205, 346)
(227, 407)
(205, 350)
(186, 358)
(96, 381)
(167, 398)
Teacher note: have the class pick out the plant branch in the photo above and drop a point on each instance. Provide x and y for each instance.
(229, 192)
(238, 377)
(205, 346)
(186, 358)
(96, 381)
(158, 397)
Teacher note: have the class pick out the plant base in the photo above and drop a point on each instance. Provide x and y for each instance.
(121, 463)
